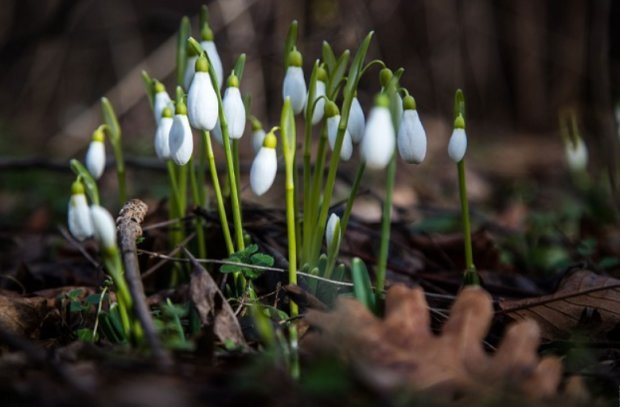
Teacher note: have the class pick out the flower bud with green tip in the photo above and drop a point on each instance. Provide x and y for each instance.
(411, 134)
(104, 227)
(208, 45)
(385, 76)
(95, 156)
(181, 141)
(190, 68)
(234, 109)
(294, 85)
(333, 121)
(357, 121)
(319, 96)
(576, 154)
(161, 100)
(78, 214)
(379, 140)
(458, 141)
(202, 103)
(162, 134)
(265, 165)
(258, 134)
(332, 227)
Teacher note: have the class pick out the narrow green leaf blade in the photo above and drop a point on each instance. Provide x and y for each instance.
(362, 288)
(184, 30)
(148, 85)
(291, 40)
(240, 66)
(110, 119)
(328, 57)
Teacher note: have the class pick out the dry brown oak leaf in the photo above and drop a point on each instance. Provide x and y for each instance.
(401, 351)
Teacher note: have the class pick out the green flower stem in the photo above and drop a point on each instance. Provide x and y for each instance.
(386, 223)
(352, 195)
(318, 176)
(114, 266)
(235, 151)
(200, 233)
(290, 223)
(471, 276)
(120, 172)
(175, 210)
(202, 184)
(182, 188)
(206, 139)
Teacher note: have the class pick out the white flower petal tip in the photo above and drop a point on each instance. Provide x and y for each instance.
(190, 70)
(202, 105)
(457, 145)
(319, 102)
(214, 58)
(263, 171)
(234, 111)
(577, 156)
(294, 87)
(330, 230)
(181, 141)
(162, 138)
(78, 217)
(95, 158)
(346, 151)
(379, 140)
(104, 227)
(160, 102)
(258, 136)
(357, 122)
(411, 137)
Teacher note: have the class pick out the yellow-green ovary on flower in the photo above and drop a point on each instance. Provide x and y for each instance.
(78, 214)
(104, 227)
(379, 140)
(264, 166)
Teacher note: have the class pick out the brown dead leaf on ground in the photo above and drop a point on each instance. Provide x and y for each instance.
(583, 299)
(23, 315)
(401, 352)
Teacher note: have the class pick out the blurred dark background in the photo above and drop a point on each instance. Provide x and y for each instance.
(519, 63)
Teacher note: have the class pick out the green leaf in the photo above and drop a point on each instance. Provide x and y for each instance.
(87, 179)
(357, 65)
(110, 119)
(93, 299)
(74, 294)
(291, 39)
(240, 66)
(262, 259)
(362, 288)
(184, 30)
(230, 268)
(76, 306)
(85, 335)
(251, 273)
(204, 15)
(287, 128)
(328, 57)
(336, 76)
(148, 85)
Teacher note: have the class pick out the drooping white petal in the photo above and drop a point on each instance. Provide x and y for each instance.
(411, 137)
(202, 102)
(95, 158)
(379, 141)
(577, 156)
(181, 140)
(346, 151)
(330, 230)
(257, 139)
(104, 227)
(234, 111)
(162, 138)
(319, 106)
(457, 145)
(263, 171)
(190, 69)
(78, 217)
(357, 122)
(214, 57)
(294, 86)
(160, 102)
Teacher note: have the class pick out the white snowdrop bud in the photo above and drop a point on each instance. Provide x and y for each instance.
(161, 100)
(294, 86)
(379, 140)
(319, 97)
(332, 231)
(104, 227)
(78, 215)
(162, 135)
(458, 141)
(411, 134)
(234, 110)
(333, 121)
(258, 135)
(202, 104)
(264, 166)
(181, 141)
(576, 155)
(95, 156)
(357, 122)
(208, 45)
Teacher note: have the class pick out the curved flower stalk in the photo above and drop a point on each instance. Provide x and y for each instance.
(333, 120)
(457, 147)
(265, 165)
(379, 140)
(161, 100)
(202, 103)
(234, 110)
(411, 134)
(357, 121)
(95, 156)
(258, 134)
(294, 86)
(78, 215)
(162, 134)
(319, 96)
(181, 140)
(208, 45)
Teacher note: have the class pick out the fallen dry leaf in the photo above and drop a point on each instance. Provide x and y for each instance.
(23, 315)
(583, 299)
(401, 351)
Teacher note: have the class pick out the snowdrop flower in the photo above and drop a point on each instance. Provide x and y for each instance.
(202, 104)
(294, 85)
(95, 156)
(258, 135)
(332, 231)
(234, 110)
(104, 227)
(576, 154)
(379, 141)
(458, 141)
(265, 165)
(357, 122)
(161, 101)
(208, 45)
(190, 68)
(78, 215)
(319, 97)
(162, 134)
(411, 134)
(181, 141)
(333, 121)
